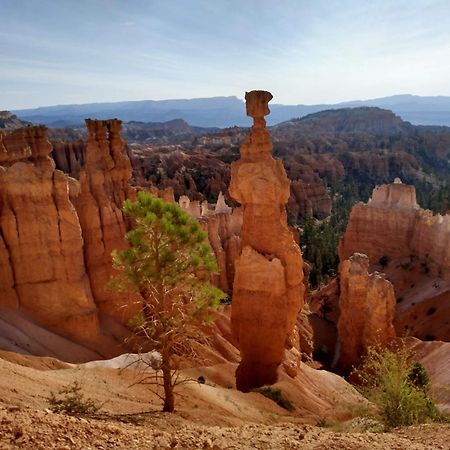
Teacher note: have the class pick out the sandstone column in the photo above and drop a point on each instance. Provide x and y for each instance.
(367, 309)
(104, 185)
(268, 289)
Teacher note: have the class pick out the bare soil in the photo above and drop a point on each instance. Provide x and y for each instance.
(208, 416)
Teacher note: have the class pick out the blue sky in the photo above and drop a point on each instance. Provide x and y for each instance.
(311, 51)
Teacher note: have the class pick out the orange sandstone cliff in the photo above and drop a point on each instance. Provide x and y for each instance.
(104, 185)
(412, 246)
(56, 238)
(268, 289)
(42, 270)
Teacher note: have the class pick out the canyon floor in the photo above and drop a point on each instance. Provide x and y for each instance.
(209, 416)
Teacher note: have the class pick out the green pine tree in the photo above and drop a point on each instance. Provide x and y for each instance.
(168, 264)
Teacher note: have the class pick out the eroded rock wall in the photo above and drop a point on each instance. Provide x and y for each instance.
(392, 224)
(268, 289)
(310, 199)
(223, 225)
(69, 156)
(412, 246)
(42, 269)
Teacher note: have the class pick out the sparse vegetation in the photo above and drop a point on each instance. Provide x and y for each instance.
(419, 376)
(70, 400)
(397, 387)
(277, 396)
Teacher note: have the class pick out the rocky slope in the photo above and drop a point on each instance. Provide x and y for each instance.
(210, 416)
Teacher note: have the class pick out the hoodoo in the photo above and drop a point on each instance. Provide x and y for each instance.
(268, 289)
(104, 185)
(367, 309)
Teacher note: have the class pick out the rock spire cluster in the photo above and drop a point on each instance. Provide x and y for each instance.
(57, 233)
(268, 285)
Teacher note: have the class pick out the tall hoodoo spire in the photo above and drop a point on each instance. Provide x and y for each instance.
(268, 286)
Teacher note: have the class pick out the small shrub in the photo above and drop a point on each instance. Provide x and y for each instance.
(419, 376)
(431, 311)
(70, 400)
(400, 299)
(397, 387)
(226, 300)
(277, 396)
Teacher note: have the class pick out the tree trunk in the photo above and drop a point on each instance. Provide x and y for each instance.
(169, 400)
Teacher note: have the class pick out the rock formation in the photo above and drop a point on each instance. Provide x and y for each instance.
(367, 309)
(56, 239)
(223, 225)
(42, 270)
(69, 156)
(268, 289)
(413, 247)
(104, 185)
(392, 224)
(310, 199)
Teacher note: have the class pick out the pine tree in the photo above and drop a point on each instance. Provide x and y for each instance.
(168, 264)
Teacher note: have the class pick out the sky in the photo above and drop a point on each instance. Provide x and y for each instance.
(303, 51)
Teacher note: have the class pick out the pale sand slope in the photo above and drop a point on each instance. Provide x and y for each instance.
(435, 357)
(315, 394)
(207, 416)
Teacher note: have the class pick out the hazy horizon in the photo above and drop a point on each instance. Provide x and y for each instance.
(232, 96)
(59, 53)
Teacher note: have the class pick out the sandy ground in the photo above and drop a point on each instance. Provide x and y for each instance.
(208, 416)
(24, 428)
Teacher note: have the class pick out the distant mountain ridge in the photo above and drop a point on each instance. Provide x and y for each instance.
(229, 111)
